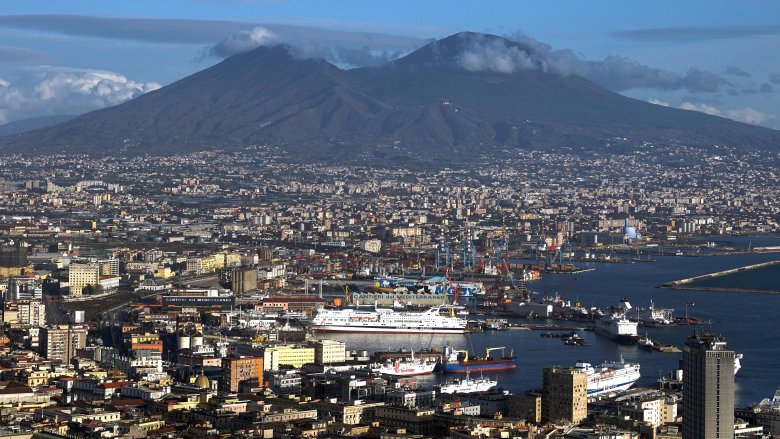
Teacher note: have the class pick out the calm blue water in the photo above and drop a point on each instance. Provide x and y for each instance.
(747, 321)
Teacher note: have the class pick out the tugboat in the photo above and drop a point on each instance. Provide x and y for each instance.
(645, 343)
(574, 339)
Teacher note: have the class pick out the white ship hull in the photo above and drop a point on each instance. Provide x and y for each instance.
(617, 327)
(610, 376)
(611, 388)
(407, 369)
(468, 386)
(387, 321)
(387, 330)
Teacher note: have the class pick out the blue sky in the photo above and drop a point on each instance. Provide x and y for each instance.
(58, 57)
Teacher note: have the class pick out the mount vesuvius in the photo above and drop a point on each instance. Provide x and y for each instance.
(428, 104)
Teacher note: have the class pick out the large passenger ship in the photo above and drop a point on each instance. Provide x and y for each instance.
(387, 320)
(617, 327)
(612, 376)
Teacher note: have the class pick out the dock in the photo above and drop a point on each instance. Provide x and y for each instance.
(535, 327)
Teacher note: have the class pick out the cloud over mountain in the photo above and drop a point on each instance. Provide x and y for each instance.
(243, 41)
(619, 73)
(46, 90)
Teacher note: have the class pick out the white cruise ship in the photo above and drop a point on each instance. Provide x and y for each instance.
(387, 321)
(612, 376)
(617, 327)
(467, 385)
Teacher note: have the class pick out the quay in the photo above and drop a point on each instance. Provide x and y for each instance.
(546, 327)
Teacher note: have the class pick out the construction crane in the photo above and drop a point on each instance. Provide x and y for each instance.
(347, 297)
(561, 248)
(541, 245)
(464, 352)
(489, 350)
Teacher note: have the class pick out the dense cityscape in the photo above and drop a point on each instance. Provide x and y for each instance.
(189, 296)
(286, 219)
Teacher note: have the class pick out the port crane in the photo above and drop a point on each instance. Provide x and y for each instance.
(560, 251)
(498, 348)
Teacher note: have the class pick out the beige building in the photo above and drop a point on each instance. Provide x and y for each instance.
(287, 355)
(60, 342)
(564, 395)
(329, 352)
(371, 245)
(243, 280)
(350, 413)
(81, 275)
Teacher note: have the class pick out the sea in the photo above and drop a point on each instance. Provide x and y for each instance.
(748, 322)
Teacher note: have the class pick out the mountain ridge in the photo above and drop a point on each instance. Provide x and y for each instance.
(424, 105)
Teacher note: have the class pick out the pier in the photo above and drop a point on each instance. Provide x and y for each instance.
(686, 284)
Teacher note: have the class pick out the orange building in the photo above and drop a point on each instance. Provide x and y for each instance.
(238, 369)
(152, 345)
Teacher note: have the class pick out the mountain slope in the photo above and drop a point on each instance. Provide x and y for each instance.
(423, 106)
(20, 126)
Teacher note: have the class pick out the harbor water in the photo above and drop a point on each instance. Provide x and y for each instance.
(748, 321)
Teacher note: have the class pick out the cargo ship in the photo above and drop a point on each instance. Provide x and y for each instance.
(385, 320)
(459, 361)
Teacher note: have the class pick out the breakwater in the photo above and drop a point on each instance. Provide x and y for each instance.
(695, 283)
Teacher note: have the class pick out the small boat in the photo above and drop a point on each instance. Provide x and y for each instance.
(645, 343)
(574, 339)
(407, 367)
(467, 385)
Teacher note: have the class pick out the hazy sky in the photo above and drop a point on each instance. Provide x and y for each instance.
(67, 57)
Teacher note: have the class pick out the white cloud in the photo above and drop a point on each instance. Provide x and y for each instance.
(750, 115)
(704, 108)
(658, 102)
(46, 90)
(746, 115)
(243, 41)
(495, 56)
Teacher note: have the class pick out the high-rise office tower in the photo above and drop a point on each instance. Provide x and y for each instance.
(708, 388)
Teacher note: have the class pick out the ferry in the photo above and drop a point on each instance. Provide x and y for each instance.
(459, 361)
(617, 327)
(611, 376)
(385, 320)
(467, 385)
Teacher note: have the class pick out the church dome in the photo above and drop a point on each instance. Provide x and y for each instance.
(202, 382)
